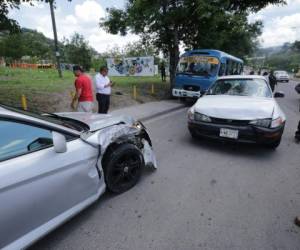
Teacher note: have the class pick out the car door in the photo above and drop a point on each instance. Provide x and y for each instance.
(40, 188)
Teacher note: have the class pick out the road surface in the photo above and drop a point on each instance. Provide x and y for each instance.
(205, 195)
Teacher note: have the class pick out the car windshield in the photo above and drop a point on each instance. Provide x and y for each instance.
(241, 87)
(198, 65)
(52, 118)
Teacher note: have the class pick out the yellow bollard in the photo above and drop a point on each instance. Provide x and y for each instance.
(134, 92)
(72, 94)
(24, 102)
(152, 89)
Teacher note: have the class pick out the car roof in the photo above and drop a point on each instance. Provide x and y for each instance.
(211, 52)
(242, 77)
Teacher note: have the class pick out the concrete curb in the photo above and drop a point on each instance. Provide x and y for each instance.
(147, 118)
(147, 111)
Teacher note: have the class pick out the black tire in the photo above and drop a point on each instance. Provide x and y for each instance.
(123, 168)
(274, 145)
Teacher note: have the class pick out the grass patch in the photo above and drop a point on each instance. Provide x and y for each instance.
(48, 80)
(42, 86)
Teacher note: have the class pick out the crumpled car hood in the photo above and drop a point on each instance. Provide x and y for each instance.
(107, 129)
(235, 107)
(98, 121)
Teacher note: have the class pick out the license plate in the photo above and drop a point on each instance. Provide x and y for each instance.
(229, 133)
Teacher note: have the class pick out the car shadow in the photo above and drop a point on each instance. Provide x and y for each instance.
(233, 148)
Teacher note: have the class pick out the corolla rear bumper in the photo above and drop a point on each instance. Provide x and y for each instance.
(246, 134)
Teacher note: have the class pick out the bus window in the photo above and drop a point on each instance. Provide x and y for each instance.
(236, 68)
(222, 69)
(229, 67)
(198, 65)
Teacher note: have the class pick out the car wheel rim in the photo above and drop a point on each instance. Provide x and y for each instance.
(126, 170)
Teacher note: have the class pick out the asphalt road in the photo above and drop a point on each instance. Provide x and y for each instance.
(205, 195)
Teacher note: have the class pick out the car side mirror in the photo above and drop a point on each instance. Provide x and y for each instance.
(279, 94)
(59, 142)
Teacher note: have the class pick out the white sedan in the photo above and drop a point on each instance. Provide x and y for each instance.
(54, 165)
(281, 76)
(238, 108)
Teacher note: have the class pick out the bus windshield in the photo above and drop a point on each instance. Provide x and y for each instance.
(198, 65)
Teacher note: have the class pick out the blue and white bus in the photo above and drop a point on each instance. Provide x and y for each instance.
(198, 69)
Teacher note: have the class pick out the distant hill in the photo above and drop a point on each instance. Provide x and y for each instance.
(31, 43)
(285, 57)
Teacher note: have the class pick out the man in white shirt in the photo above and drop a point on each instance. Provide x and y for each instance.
(103, 90)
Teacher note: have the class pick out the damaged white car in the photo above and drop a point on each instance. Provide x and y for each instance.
(52, 166)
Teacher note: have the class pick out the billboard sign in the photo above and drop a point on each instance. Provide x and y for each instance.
(131, 66)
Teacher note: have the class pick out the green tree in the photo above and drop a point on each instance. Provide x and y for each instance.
(77, 51)
(7, 23)
(27, 42)
(140, 48)
(167, 23)
(14, 52)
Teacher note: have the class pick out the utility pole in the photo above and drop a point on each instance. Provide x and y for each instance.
(57, 55)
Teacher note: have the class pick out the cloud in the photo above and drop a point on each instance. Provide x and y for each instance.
(89, 11)
(77, 16)
(281, 23)
(282, 30)
(83, 16)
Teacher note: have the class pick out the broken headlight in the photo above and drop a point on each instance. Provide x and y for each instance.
(138, 125)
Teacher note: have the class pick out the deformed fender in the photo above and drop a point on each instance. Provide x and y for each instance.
(121, 133)
(149, 156)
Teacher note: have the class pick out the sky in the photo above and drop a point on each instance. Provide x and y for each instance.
(281, 23)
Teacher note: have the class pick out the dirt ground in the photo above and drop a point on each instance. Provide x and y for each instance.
(46, 92)
(60, 102)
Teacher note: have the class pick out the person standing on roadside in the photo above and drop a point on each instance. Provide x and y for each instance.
(163, 72)
(266, 76)
(84, 91)
(103, 86)
(272, 80)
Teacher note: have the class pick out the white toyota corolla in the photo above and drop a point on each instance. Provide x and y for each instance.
(238, 108)
(53, 166)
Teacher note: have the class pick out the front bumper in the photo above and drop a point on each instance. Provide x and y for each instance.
(186, 93)
(246, 134)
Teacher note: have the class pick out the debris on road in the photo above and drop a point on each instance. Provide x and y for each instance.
(297, 221)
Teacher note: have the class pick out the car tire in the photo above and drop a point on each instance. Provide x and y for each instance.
(274, 144)
(123, 168)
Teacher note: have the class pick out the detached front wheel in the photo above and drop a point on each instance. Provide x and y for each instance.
(123, 168)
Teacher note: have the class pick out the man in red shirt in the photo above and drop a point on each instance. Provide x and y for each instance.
(84, 91)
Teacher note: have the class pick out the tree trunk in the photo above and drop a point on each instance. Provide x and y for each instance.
(174, 58)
